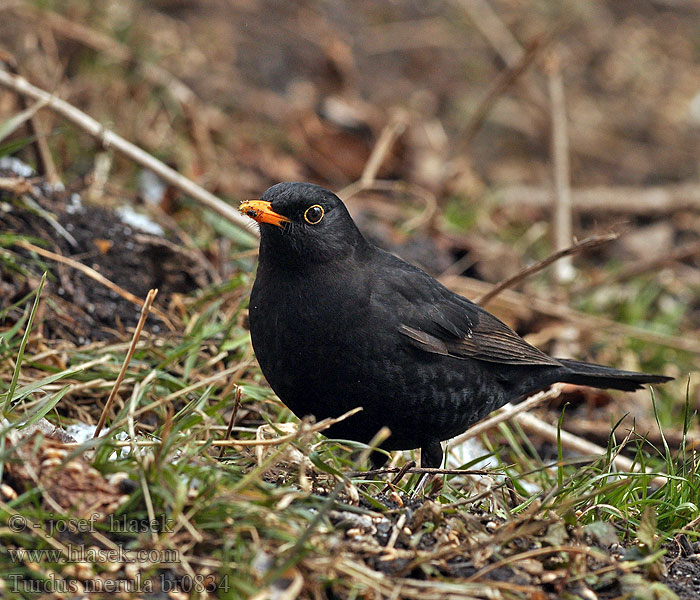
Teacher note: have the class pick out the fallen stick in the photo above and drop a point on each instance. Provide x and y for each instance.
(533, 425)
(499, 87)
(93, 275)
(130, 353)
(521, 305)
(562, 222)
(649, 200)
(109, 139)
(590, 242)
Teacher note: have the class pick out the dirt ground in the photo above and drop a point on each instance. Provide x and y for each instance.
(83, 311)
(239, 95)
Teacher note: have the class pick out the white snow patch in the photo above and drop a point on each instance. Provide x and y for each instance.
(139, 221)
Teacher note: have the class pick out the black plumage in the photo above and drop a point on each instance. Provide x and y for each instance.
(338, 323)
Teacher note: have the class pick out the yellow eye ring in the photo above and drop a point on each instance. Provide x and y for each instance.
(314, 214)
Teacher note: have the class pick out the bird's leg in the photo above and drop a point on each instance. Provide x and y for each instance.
(431, 456)
(376, 460)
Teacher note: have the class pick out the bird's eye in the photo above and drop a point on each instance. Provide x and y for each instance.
(314, 214)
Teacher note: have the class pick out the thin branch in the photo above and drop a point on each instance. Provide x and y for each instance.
(93, 275)
(521, 305)
(507, 412)
(505, 44)
(122, 373)
(493, 29)
(587, 244)
(109, 139)
(563, 220)
(409, 464)
(387, 137)
(500, 86)
(649, 200)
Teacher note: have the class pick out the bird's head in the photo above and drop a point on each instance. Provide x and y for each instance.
(302, 223)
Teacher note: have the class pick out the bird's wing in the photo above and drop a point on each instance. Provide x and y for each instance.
(435, 319)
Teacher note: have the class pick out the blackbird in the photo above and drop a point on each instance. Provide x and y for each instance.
(338, 323)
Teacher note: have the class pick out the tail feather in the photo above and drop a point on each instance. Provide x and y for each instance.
(599, 376)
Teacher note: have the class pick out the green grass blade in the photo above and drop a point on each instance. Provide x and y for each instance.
(23, 345)
(560, 451)
(47, 405)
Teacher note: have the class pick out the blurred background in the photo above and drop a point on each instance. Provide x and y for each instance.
(451, 128)
(472, 137)
(271, 90)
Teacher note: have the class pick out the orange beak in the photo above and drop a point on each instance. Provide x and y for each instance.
(261, 211)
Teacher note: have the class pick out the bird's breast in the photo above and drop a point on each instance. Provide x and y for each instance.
(306, 331)
(327, 345)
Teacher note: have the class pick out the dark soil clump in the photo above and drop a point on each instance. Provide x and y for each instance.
(84, 309)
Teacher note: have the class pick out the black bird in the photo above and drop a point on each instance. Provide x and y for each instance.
(338, 323)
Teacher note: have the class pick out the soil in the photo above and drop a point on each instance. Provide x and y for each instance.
(683, 574)
(275, 82)
(81, 309)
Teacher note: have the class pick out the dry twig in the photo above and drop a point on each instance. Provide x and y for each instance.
(122, 373)
(500, 86)
(563, 221)
(109, 139)
(93, 275)
(391, 131)
(587, 244)
(648, 200)
(507, 412)
(386, 140)
(493, 29)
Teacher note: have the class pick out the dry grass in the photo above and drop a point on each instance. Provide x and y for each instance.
(411, 111)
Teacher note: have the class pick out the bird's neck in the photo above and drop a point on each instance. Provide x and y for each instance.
(279, 253)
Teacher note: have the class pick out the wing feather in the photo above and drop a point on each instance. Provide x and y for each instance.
(436, 320)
